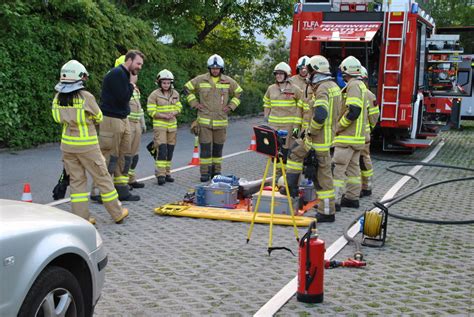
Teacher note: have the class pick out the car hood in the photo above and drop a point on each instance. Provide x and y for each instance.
(18, 217)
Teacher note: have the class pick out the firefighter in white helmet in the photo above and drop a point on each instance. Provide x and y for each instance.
(366, 170)
(350, 136)
(301, 80)
(214, 95)
(314, 150)
(78, 112)
(163, 106)
(283, 106)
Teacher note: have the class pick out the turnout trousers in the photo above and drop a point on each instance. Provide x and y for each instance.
(76, 165)
(366, 168)
(114, 139)
(135, 138)
(323, 183)
(211, 142)
(346, 172)
(164, 142)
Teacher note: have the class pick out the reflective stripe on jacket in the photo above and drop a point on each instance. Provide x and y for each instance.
(158, 104)
(353, 132)
(286, 105)
(136, 111)
(214, 97)
(79, 134)
(327, 95)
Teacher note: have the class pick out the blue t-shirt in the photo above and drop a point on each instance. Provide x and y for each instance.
(116, 93)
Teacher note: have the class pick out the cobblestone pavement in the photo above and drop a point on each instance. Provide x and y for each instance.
(162, 266)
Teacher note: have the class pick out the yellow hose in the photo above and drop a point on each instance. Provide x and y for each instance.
(372, 223)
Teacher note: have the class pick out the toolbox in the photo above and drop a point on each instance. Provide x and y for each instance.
(280, 204)
(217, 195)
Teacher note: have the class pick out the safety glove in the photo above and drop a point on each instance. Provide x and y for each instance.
(309, 165)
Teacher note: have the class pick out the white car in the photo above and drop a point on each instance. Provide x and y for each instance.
(52, 262)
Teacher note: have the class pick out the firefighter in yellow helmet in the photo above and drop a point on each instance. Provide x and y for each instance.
(76, 109)
(314, 149)
(163, 106)
(214, 95)
(366, 170)
(350, 136)
(137, 127)
(301, 80)
(283, 106)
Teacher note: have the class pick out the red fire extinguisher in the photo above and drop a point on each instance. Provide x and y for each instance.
(311, 267)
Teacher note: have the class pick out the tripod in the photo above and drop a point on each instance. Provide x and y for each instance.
(275, 159)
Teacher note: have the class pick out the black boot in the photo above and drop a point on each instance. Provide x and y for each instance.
(169, 179)
(204, 178)
(365, 192)
(292, 181)
(345, 202)
(338, 207)
(124, 193)
(136, 184)
(324, 218)
(161, 180)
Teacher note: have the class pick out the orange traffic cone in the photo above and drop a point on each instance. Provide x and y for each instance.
(195, 159)
(253, 144)
(26, 196)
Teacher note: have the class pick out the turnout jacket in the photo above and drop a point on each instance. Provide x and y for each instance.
(158, 104)
(286, 106)
(78, 134)
(373, 113)
(351, 126)
(214, 97)
(136, 111)
(321, 135)
(300, 82)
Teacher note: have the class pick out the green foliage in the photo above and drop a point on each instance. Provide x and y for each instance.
(454, 13)
(37, 37)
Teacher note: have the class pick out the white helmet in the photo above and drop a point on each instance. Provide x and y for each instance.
(351, 66)
(282, 67)
(215, 61)
(302, 61)
(165, 74)
(364, 73)
(319, 64)
(73, 71)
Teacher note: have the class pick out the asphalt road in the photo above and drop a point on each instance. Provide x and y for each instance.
(41, 166)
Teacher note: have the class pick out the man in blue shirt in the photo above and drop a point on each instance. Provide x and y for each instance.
(114, 132)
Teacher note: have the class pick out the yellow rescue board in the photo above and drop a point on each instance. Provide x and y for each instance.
(230, 214)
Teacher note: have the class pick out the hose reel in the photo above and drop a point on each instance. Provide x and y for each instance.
(374, 228)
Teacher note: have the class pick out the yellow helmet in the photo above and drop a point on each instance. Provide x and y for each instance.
(319, 64)
(302, 61)
(364, 73)
(351, 66)
(73, 71)
(282, 67)
(165, 74)
(119, 60)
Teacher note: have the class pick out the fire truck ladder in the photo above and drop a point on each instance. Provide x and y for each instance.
(393, 36)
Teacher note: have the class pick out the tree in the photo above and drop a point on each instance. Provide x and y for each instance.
(190, 22)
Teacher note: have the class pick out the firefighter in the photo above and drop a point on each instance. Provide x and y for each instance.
(315, 148)
(163, 105)
(284, 107)
(301, 80)
(114, 132)
(76, 109)
(350, 136)
(137, 127)
(366, 170)
(214, 95)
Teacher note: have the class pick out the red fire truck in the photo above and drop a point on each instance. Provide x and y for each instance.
(413, 71)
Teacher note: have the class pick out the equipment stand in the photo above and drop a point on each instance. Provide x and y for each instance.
(290, 204)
